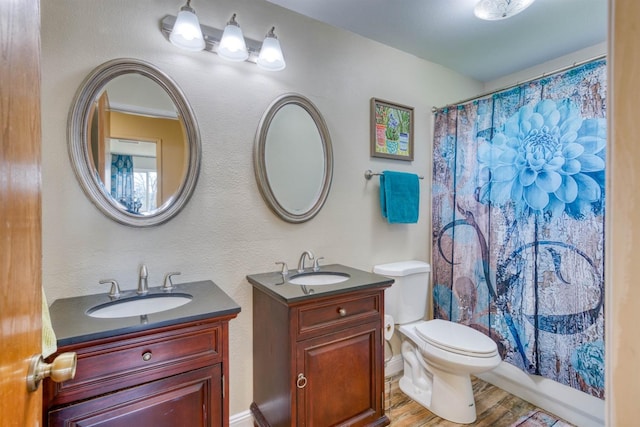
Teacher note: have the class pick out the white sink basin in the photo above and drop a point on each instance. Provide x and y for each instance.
(138, 306)
(318, 278)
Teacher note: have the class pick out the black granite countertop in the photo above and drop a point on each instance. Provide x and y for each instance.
(275, 284)
(72, 325)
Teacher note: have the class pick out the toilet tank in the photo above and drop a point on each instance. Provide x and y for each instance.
(406, 299)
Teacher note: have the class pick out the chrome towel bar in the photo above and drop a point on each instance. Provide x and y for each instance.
(368, 174)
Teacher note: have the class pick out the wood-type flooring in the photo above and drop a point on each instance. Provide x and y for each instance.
(495, 407)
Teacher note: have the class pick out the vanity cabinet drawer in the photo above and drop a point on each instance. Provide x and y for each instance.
(192, 399)
(111, 365)
(319, 317)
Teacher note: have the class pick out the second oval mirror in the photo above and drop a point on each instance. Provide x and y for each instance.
(293, 158)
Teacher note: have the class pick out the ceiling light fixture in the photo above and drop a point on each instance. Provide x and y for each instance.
(493, 10)
(186, 32)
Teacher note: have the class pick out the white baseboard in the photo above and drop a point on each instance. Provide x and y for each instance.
(242, 419)
(574, 406)
(570, 404)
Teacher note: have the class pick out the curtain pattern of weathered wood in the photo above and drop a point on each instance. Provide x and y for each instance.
(518, 222)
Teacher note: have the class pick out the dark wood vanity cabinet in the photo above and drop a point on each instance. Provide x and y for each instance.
(319, 362)
(169, 376)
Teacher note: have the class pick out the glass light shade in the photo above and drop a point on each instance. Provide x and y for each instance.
(186, 32)
(232, 45)
(271, 57)
(493, 10)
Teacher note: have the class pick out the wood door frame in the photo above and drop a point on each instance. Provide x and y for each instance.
(20, 209)
(622, 298)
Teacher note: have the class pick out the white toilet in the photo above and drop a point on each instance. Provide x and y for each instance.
(438, 355)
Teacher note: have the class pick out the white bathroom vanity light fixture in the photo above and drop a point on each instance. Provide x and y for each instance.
(493, 10)
(270, 57)
(186, 33)
(232, 45)
(229, 44)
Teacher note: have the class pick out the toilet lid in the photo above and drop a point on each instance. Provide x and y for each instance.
(456, 338)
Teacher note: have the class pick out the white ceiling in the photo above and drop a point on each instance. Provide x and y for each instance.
(447, 32)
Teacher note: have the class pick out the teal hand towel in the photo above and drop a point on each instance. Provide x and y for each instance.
(399, 197)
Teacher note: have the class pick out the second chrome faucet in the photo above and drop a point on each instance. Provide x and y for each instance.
(303, 257)
(143, 282)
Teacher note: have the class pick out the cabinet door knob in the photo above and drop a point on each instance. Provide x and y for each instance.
(302, 381)
(146, 356)
(342, 312)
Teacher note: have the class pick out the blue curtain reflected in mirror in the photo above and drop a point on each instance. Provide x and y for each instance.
(122, 182)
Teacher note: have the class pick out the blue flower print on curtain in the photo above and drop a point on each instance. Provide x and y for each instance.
(588, 361)
(550, 158)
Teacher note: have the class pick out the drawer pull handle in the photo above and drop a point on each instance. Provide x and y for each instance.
(302, 381)
(342, 312)
(146, 356)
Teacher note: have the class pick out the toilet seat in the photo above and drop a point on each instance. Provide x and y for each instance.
(456, 338)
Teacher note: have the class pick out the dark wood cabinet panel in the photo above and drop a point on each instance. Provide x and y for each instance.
(113, 364)
(319, 362)
(167, 376)
(339, 377)
(335, 313)
(192, 399)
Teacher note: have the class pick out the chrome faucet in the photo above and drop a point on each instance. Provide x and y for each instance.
(168, 284)
(115, 291)
(143, 284)
(305, 254)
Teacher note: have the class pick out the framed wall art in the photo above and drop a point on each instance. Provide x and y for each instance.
(391, 130)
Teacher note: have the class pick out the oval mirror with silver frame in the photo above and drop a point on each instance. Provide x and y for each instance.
(134, 143)
(293, 158)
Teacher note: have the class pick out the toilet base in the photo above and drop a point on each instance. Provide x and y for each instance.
(453, 402)
(417, 394)
(448, 395)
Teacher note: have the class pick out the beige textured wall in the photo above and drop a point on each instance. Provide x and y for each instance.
(548, 67)
(623, 217)
(226, 231)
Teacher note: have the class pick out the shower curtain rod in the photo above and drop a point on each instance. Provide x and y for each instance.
(484, 95)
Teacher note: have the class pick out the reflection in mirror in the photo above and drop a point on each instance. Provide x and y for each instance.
(293, 158)
(134, 164)
(134, 143)
(134, 122)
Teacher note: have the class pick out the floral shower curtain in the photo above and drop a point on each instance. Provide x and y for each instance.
(518, 223)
